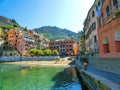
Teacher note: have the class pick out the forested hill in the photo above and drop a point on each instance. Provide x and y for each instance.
(53, 33)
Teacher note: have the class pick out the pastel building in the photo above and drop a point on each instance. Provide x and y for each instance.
(36, 36)
(24, 43)
(20, 41)
(90, 30)
(24, 40)
(65, 47)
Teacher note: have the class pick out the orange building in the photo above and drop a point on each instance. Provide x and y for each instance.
(12, 37)
(109, 29)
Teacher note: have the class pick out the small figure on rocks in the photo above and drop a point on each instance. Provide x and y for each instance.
(85, 64)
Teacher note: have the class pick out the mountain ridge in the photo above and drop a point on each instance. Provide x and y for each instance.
(54, 33)
(8, 23)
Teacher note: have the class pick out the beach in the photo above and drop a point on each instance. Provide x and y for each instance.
(42, 63)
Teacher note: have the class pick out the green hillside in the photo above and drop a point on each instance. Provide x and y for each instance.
(53, 33)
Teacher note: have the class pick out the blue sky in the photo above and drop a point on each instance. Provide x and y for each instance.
(69, 14)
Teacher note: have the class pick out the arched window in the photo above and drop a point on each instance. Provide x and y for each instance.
(117, 40)
(106, 45)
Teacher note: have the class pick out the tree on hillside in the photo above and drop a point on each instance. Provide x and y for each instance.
(83, 43)
(15, 24)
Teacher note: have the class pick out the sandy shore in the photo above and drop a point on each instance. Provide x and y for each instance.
(42, 63)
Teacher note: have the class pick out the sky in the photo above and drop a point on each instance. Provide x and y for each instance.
(69, 14)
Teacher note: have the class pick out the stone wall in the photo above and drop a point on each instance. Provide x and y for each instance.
(23, 58)
(106, 64)
(94, 82)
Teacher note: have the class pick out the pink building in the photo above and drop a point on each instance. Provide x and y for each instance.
(65, 47)
(24, 43)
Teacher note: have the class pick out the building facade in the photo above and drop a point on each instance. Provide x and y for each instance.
(36, 36)
(65, 47)
(12, 37)
(23, 41)
(90, 30)
(109, 29)
(20, 41)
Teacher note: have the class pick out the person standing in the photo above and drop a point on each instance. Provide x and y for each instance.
(85, 64)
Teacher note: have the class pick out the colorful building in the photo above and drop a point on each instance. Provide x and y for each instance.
(24, 40)
(20, 41)
(90, 30)
(65, 47)
(109, 29)
(12, 37)
(24, 43)
(36, 36)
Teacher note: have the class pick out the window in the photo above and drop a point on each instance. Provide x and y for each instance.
(102, 19)
(66, 45)
(93, 14)
(115, 3)
(61, 46)
(117, 41)
(99, 3)
(94, 25)
(106, 45)
(107, 11)
(95, 39)
(25, 48)
(99, 22)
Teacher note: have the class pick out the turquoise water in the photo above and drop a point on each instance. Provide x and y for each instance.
(14, 77)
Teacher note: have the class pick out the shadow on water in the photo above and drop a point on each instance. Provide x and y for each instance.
(83, 86)
(66, 80)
